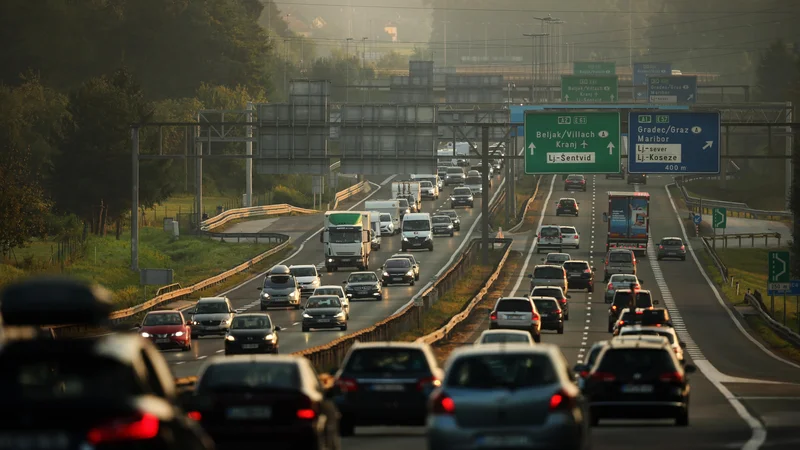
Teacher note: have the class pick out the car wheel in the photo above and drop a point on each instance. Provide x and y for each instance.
(297, 306)
(578, 247)
(306, 329)
(430, 249)
(329, 268)
(566, 316)
(187, 348)
(416, 277)
(412, 283)
(682, 420)
(560, 329)
(611, 327)
(343, 328)
(452, 234)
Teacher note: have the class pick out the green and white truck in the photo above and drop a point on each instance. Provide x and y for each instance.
(347, 239)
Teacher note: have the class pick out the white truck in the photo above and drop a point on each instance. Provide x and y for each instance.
(347, 239)
(403, 189)
(431, 192)
(391, 207)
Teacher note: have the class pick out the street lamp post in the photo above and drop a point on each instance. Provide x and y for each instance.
(534, 72)
(347, 70)
(364, 62)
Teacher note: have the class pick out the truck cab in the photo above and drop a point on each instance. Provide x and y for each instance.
(347, 239)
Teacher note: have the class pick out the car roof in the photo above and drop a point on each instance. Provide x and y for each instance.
(620, 250)
(671, 237)
(253, 314)
(575, 175)
(558, 253)
(212, 299)
(567, 198)
(332, 286)
(641, 338)
(578, 261)
(547, 287)
(547, 265)
(271, 358)
(444, 216)
(519, 332)
(550, 226)
(323, 296)
(649, 328)
(391, 344)
(301, 266)
(402, 255)
(599, 344)
(362, 272)
(540, 297)
(568, 226)
(636, 344)
(164, 311)
(527, 299)
(499, 348)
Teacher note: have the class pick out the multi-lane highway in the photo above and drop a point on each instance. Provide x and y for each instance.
(363, 313)
(740, 396)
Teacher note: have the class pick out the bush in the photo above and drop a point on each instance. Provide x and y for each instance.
(283, 194)
(62, 227)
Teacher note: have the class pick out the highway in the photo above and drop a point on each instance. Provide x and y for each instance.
(362, 313)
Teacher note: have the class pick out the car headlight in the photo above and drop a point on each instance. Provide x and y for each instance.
(230, 338)
(264, 295)
(306, 316)
(386, 274)
(178, 334)
(410, 273)
(292, 294)
(471, 198)
(450, 226)
(145, 334)
(269, 337)
(330, 259)
(340, 315)
(405, 239)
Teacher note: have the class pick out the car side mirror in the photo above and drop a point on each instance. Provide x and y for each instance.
(259, 288)
(530, 276)
(683, 345)
(689, 368)
(656, 302)
(344, 282)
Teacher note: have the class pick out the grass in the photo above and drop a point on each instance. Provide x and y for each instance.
(184, 204)
(531, 221)
(757, 194)
(775, 342)
(524, 188)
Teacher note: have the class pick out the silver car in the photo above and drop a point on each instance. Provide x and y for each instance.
(507, 396)
(504, 336)
(307, 278)
(621, 281)
(280, 289)
(211, 315)
(549, 275)
(324, 311)
(556, 259)
(619, 260)
(516, 313)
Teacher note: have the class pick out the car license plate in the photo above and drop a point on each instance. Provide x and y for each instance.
(671, 253)
(574, 275)
(249, 346)
(397, 278)
(505, 441)
(162, 341)
(323, 320)
(51, 441)
(345, 259)
(545, 315)
(250, 413)
(416, 244)
(388, 387)
(637, 388)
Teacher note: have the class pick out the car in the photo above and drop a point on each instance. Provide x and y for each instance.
(549, 275)
(637, 178)
(417, 232)
(651, 330)
(280, 288)
(627, 298)
(582, 369)
(307, 276)
(324, 311)
(621, 281)
(454, 176)
(443, 225)
(658, 317)
(580, 275)
(636, 381)
(252, 333)
(385, 383)
(332, 289)
(453, 217)
(264, 398)
(411, 202)
(575, 183)
(387, 225)
(556, 293)
(167, 330)
(549, 238)
(441, 172)
(362, 285)
(109, 391)
(462, 196)
(428, 191)
(671, 247)
(516, 313)
(570, 237)
(475, 184)
(619, 175)
(504, 336)
(503, 396)
(473, 173)
(619, 261)
(413, 260)
(405, 207)
(211, 316)
(551, 313)
(567, 207)
(398, 271)
(556, 259)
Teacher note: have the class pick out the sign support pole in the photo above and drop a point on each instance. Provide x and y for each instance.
(485, 199)
(135, 200)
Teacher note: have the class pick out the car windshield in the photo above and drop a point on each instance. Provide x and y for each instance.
(403, 202)
(502, 371)
(547, 292)
(399, 263)
(455, 171)
(623, 299)
(440, 219)
(425, 184)
(623, 279)
(474, 180)
(514, 305)
(250, 375)
(344, 236)
(279, 281)
(386, 217)
(303, 271)
(323, 302)
(211, 308)
(362, 277)
(568, 230)
(387, 361)
(579, 266)
(462, 191)
(575, 177)
(496, 338)
(162, 319)
(452, 214)
(558, 257)
(416, 225)
(251, 323)
(543, 305)
(620, 257)
(643, 300)
(672, 242)
(550, 232)
(548, 272)
(629, 361)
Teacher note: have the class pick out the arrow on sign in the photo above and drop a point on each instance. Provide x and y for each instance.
(691, 96)
(708, 145)
(778, 275)
(610, 148)
(532, 147)
(612, 97)
(566, 97)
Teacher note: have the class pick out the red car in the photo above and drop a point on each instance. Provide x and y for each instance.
(167, 330)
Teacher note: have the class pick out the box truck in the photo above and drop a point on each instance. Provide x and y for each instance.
(406, 189)
(347, 239)
(391, 207)
(628, 220)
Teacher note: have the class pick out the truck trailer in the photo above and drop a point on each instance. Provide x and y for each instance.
(628, 220)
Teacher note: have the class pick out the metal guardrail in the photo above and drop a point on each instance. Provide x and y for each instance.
(530, 200)
(268, 237)
(755, 300)
(752, 236)
(255, 211)
(738, 209)
(723, 269)
(349, 192)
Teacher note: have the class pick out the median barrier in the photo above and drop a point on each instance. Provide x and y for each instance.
(738, 209)
(355, 189)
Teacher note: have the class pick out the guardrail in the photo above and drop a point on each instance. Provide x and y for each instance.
(756, 301)
(254, 211)
(723, 269)
(527, 205)
(752, 236)
(737, 209)
(268, 237)
(349, 192)
(331, 354)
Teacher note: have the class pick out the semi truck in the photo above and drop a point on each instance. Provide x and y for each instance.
(347, 239)
(628, 220)
(405, 189)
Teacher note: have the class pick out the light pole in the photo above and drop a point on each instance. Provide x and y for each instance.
(347, 70)
(485, 41)
(547, 24)
(445, 22)
(534, 72)
(285, 65)
(364, 62)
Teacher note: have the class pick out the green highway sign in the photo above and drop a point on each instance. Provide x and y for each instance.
(572, 142)
(719, 218)
(779, 268)
(594, 68)
(589, 89)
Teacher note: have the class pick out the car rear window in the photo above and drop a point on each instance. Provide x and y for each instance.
(568, 230)
(575, 177)
(629, 361)
(514, 305)
(328, 291)
(546, 305)
(623, 299)
(567, 202)
(496, 338)
(440, 219)
(303, 271)
(654, 316)
(455, 171)
(620, 257)
(462, 191)
(473, 180)
(550, 232)
(251, 323)
(501, 371)
(250, 375)
(547, 292)
(386, 361)
(548, 272)
(214, 307)
(576, 266)
(666, 334)
(621, 279)
(672, 242)
(643, 300)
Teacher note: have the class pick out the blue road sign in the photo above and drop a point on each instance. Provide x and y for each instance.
(680, 89)
(697, 219)
(794, 289)
(673, 142)
(643, 70)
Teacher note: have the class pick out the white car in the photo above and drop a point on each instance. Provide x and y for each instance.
(307, 276)
(570, 237)
(337, 291)
(387, 225)
(505, 337)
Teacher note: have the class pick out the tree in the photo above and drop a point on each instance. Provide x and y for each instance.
(23, 208)
(342, 71)
(392, 61)
(777, 73)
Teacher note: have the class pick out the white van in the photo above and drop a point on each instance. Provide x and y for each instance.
(417, 232)
(375, 226)
(391, 207)
(428, 192)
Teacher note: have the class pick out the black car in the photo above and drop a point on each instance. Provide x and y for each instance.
(643, 317)
(443, 225)
(252, 333)
(619, 175)
(106, 392)
(453, 217)
(627, 298)
(567, 207)
(363, 285)
(258, 399)
(638, 380)
(580, 275)
(637, 178)
(413, 260)
(556, 293)
(385, 383)
(552, 316)
(462, 196)
(575, 183)
(398, 271)
(324, 311)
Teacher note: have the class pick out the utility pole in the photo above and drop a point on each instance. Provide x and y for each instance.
(486, 196)
(445, 22)
(364, 62)
(347, 70)
(630, 39)
(485, 41)
(248, 163)
(286, 66)
(550, 65)
(135, 200)
(534, 71)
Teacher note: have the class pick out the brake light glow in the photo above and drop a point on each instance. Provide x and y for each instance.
(671, 377)
(556, 400)
(442, 404)
(639, 312)
(534, 317)
(306, 414)
(587, 271)
(621, 322)
(433, 381)
(683, 248)
(613, 307)
(493, 316)
(144, 427)
(610, 286)
(604, 377)
(660, 247)
(564, 301)
(347, 385)
(194, 415)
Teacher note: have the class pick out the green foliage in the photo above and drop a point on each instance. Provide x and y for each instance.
(22, 204)
(283, 194)
(777, 73)
(392, 60)
(342, 71)
(63, 227)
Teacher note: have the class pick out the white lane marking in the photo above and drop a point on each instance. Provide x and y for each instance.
(716, 292)
(202, 357)
(533, 244)
(768, 398)
(585, 337)
(220, 351)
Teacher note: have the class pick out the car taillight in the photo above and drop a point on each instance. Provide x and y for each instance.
(683, 248)
(306, 414)
(141, 428)
(493, 316)
(194, 415)
(610, 287)
(583, 181)
(564, 300)
(347, 385)
(621, 322)
(539, 237)
(428, 381)
(671, 377)
(660, 247)
(561, 400)
(587, 271)
(604, 377)
(613, 307)
(584, 373)
(443, 404)
(534, 317)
